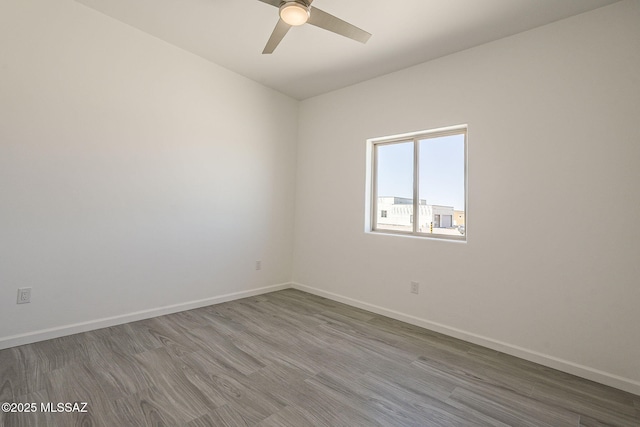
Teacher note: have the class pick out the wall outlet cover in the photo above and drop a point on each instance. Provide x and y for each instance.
(24, 295)
(415, 287)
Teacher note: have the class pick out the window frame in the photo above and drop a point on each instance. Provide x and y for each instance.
(415, 139)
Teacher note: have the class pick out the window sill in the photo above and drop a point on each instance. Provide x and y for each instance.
(421, 236)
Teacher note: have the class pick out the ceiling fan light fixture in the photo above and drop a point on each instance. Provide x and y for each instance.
(294, 13)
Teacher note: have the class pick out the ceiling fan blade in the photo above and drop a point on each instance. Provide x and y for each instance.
(329, 22)
(275, 3)
(276, 37)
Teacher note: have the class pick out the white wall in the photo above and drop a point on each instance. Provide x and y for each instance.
(133, 175)
(552, 117)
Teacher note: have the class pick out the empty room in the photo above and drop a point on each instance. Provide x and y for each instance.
(319, 213)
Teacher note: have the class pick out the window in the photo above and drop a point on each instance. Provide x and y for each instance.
(420, 176)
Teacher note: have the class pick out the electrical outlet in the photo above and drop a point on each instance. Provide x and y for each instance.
(258, 265)
(24, 295)
(415, 287)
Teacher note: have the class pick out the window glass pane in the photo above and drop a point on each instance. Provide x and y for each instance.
(395, 186)
(441, 186)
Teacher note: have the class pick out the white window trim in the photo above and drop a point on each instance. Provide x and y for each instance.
(371, 198)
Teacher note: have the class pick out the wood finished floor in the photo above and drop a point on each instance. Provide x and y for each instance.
(293, 359)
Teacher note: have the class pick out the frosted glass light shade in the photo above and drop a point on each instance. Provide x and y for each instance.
(294, 13)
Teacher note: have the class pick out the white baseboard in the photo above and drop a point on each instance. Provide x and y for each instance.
(61, 331)
(592, 374)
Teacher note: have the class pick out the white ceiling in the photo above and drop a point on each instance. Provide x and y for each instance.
(311, 61)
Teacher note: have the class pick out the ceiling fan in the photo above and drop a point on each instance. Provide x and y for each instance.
(298, 12)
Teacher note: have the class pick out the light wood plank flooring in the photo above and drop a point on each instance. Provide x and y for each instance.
(293, 359)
